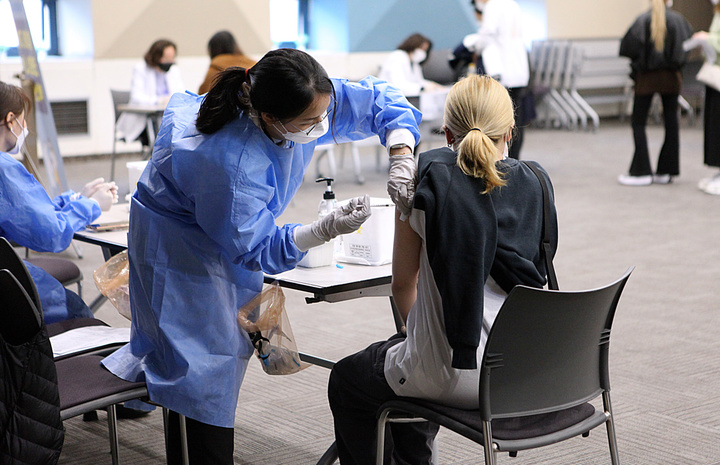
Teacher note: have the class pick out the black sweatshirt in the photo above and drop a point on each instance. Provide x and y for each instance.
(471, 235)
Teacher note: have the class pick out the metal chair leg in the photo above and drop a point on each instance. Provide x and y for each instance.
(490, 455)
(610, 425)
(380, 447)
(112, 431)
(330, 456)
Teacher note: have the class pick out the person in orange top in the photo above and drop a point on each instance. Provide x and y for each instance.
(224, 53)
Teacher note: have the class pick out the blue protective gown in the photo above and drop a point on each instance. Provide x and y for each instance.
(202, 232)
(31, 218)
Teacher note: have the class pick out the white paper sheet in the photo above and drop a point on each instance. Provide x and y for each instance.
(80, 339)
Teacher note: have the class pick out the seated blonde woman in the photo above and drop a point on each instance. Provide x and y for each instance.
(474, 233)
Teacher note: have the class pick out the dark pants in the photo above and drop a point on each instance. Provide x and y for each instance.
(356, 390)
(207, 444)
(712, 127)
(669, 159)
(517, 95)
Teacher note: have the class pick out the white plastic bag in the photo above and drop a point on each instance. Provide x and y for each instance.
(111, 280)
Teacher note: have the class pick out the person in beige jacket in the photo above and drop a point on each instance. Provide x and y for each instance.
(224, 53)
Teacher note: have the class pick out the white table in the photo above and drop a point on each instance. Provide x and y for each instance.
(334, 283)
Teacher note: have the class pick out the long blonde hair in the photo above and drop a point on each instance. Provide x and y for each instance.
(478, 112)
(658, 25)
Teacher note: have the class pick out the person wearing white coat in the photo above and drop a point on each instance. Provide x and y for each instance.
(153, 82)
(402, 68)
(500, 43)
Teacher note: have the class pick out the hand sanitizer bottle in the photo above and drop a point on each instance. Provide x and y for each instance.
(322, 255)
(327, 204)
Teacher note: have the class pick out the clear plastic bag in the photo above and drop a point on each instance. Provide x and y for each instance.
(270, 333)
(111, 280)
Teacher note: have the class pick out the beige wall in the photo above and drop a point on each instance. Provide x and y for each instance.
(584, 19)
(125, 29)
(580, 19)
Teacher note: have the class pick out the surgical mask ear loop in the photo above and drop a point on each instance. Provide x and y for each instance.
(19, 139)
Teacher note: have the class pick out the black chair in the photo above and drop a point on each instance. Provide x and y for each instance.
(31, 430)
(546, 357)
(437, 67)
(62, 269)
(10, 260)
(82, 385)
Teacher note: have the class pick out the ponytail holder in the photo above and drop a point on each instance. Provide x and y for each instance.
(475, 129)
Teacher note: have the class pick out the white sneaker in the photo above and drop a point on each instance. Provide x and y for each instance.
(627, 180)
(705, 181)
(713, 187)
(661, 179)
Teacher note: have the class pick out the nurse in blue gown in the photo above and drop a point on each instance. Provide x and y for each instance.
(202, 225)
(30, 218)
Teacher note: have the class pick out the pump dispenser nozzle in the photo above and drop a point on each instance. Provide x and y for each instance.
(327, 204)
(329, 194)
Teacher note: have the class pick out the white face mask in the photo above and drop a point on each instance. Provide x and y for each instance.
(303, 137)
(418, 55)
(20, 140)
(505, 151)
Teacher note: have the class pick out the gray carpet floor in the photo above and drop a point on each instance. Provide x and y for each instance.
(665, 347)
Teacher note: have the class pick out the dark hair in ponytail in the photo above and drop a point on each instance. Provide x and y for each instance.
(283, 83)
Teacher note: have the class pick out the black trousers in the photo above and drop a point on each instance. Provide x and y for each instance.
(669, 159)
(712, 127)
(207, 444)
(517, 95)
(356, 390)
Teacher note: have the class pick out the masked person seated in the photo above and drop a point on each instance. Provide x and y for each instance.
(30, 218)
(474, 233)
(153, 82)
(403, 67)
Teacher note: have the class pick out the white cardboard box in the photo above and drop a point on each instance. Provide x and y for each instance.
(372, 244)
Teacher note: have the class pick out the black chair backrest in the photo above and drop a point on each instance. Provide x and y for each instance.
(20, 320)
(437, 67)
(10, 261)
(548, 350)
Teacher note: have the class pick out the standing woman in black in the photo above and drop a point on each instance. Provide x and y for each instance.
(654, 43)
(711, 185)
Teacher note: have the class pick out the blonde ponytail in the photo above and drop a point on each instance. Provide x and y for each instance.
(658, 25)
(479, 112)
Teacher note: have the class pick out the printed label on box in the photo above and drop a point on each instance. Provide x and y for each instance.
(360, 251)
